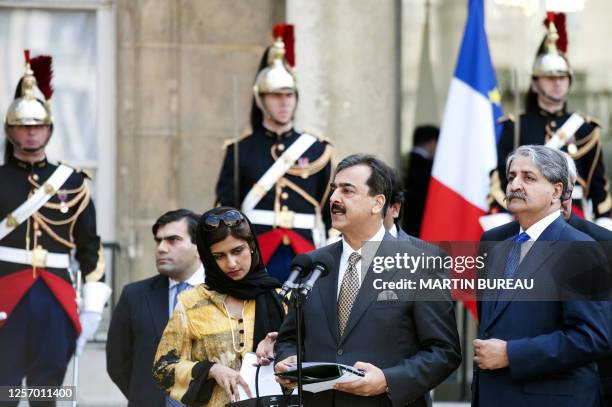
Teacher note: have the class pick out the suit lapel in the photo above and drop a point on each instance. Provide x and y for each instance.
(532, 263)
(328, 289)
(496, 268)
(157, 302)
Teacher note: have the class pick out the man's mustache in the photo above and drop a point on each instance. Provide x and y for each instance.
(338, 208)
(516, 195)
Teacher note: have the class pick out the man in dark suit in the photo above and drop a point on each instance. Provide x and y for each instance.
(394, 207)
(540, 353)
(418, 174)
(142, 312)
(405, 348)
(595, 231)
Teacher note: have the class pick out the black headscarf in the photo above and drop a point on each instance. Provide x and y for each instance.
(257, 284)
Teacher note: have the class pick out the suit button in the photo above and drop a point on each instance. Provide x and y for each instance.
(487, 334)
(340, 352)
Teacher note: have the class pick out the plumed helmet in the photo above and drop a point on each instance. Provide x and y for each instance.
(278, 75)
(550, 61)
(27, 109)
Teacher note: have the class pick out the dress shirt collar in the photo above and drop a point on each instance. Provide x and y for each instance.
(378, 237)
(196, 279)
(346, 253)
(393, 231)
(422, 152)
(535, 230)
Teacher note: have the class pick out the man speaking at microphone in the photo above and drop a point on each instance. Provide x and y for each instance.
(405, 348)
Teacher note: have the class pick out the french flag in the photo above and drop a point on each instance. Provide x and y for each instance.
(466, 151)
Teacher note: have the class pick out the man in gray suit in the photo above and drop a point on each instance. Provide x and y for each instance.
(405, 348)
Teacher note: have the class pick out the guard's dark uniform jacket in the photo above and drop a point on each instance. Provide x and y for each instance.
(67, 221)
(304, 189)
(537, 127)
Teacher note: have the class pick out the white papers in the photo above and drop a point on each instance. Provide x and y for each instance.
(348, 375)
(267, 382)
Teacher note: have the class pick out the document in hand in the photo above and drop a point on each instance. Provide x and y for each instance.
(267, 383)
(321, 376)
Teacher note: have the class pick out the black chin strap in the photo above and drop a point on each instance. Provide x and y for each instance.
(277, 122)
(17, 146)
(550, 98)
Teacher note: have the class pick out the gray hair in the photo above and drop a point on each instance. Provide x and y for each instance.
(571, 168)
(549, 161)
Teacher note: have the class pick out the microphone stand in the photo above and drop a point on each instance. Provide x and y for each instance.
(297, 299)
(297, 303)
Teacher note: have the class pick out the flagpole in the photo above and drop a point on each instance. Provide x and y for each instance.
(517, 106)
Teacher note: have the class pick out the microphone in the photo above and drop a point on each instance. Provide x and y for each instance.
(322, 263)
(299, 268)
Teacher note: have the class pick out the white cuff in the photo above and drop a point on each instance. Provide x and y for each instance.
(488, 222)
(604, 222)
(95, 295)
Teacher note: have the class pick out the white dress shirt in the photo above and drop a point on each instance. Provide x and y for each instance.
(393, 231)
(536, 230)
(196, 278)
(540, 226)
(346, 253)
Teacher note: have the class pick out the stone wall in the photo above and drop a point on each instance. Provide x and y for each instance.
(177, 64)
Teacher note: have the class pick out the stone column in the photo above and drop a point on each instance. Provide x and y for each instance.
(177, 63)
(346, 61)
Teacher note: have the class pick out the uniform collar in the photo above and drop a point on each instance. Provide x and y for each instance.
(274, 135)
(26, 165)
(549, 115)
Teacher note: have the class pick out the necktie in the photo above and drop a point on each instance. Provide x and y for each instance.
(348, 291)
(514, 257)
(170, 402)
(180, 287)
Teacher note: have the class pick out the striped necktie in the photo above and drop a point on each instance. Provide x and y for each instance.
(348, 291)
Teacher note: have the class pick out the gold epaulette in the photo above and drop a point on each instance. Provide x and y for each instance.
(85, 173)
(506, 117)
(322, 139)
(591, 120)
(231, 141)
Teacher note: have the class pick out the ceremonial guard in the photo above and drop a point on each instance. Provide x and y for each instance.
(46, 213)
(281, 177)
(546, 121)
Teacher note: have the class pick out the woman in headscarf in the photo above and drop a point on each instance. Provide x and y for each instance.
(215, 324)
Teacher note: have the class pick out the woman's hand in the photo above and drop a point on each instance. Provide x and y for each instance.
(229, 380)
(265, 349)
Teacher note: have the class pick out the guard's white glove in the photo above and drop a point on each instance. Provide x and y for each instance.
(488, 222)
(95, 295)
(90, 320)
(604, 222)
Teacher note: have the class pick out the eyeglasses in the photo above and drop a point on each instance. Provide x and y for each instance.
(229, 218)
